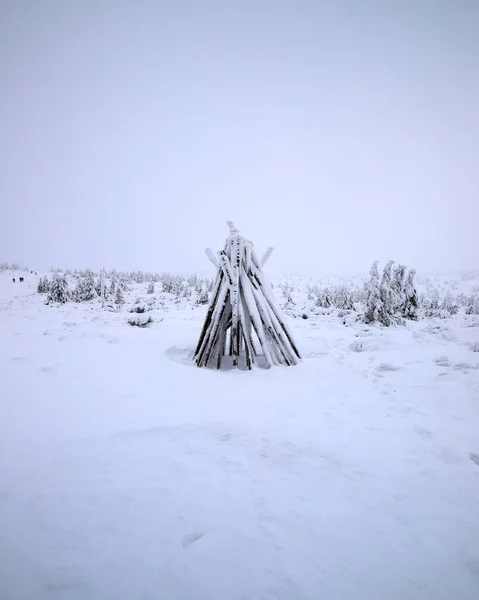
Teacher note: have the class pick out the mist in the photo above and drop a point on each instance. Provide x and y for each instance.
(338, 132)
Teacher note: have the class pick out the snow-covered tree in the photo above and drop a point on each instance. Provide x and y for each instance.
(374, 305)
(397, 289)
(113, 280)
(449, 306)
(122, 282)
(85, 289)
(59, 291)
(119, 297)
(411, 303)
(431, 303)
(112, 289)
(151, 288)
(172, 284)
(203, 298)
(386, 294)
(343, 297)
(101, 288)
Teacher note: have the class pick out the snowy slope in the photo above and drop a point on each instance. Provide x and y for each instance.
(125, 472)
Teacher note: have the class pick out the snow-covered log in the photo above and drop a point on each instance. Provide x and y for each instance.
(266, 255)
(242, 308)
(212, 257)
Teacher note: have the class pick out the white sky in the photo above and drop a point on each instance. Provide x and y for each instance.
(339, 132)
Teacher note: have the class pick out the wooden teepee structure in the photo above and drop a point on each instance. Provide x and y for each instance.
(242, 304)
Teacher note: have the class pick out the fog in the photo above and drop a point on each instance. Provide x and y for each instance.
(338, 132)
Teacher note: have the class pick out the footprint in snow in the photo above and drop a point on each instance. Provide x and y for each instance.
(49, 370)
(22, 359)
(382, 367)
(474, 457)
(473, 567)
(425, 433)
(464, 367)
(191, 538)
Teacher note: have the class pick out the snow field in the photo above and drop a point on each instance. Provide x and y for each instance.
(126, 472)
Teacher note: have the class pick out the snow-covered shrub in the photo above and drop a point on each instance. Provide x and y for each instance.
(43, 285)
(139, 309)
(194, 282)
(430, 302)
(59, 291)
(286, 291)
(151, 288)
(172, 284)
(473, 306)
(101, 287)
(140, 320)
(119, 297)
(202, 297)
(13, 267)
(323, 298)
(113, 280)
(433, 307)
(290, 307)
(449, 307)
(138, 277)
(122, 283)
(186, 291)
(343, 297)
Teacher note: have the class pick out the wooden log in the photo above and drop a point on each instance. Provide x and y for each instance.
(287, 355)
(255, 318)
(272, 338)
(211, 307)
(210, 333)
(208, 344)
(212, 257)
(266, 256)
(259, 277)
(216, 336)
(225, 265)
(236, 250)
(222, 336)
(248, 246)
(210, 350)
(233, 230)
(246, 331)
(279, 343)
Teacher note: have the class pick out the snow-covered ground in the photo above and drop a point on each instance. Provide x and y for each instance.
(128, 473)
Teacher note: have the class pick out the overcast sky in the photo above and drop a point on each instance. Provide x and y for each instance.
(339, 132)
